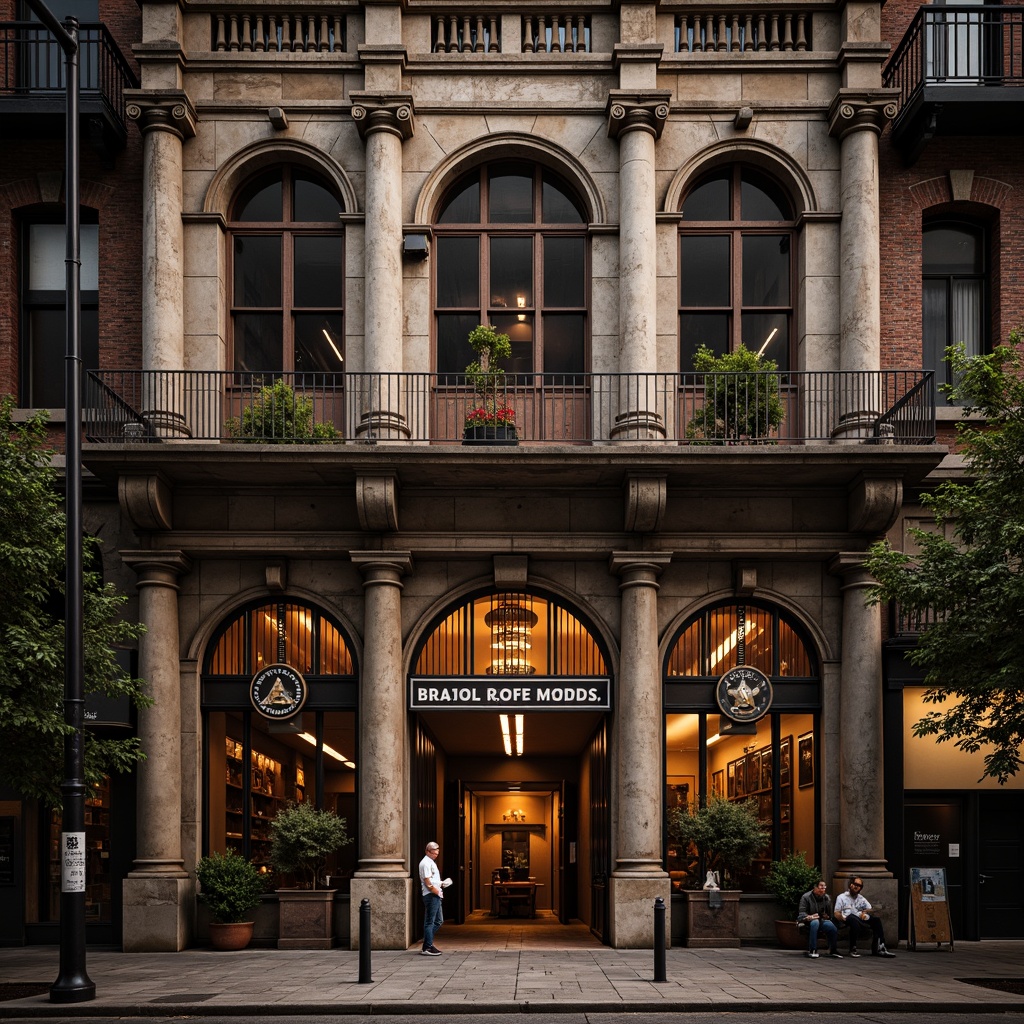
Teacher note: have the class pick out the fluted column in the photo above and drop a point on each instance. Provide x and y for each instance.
(165, 122)
(861, 771)
(384, 122)
(156, 916)
(383, 872)
(639, 875)
(857, 119)
(637, 120)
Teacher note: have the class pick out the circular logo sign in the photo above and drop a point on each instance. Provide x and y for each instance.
(278, 691)
(744, 694)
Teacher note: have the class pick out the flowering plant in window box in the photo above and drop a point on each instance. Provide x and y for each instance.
(505, 416)
(493, 421)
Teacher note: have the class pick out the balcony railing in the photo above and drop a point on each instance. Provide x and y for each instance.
(952, 46)
(748, 31)
(268, 31)
(881, 407)
(32, 67)
(480, 33)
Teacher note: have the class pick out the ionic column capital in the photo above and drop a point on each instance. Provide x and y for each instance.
(856, 110)
(380, 112)
(169, 112)
(157, 568)
(630, 111)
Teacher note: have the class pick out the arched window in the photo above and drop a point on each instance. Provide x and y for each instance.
(510, 244)
(954, 287)
(287, 274)
(254, 764)
(772, 761)
(736, 266)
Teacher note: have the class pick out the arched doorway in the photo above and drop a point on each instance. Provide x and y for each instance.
(509, 694)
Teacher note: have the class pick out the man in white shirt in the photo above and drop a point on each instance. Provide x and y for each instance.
(431, 891)
(853, 909)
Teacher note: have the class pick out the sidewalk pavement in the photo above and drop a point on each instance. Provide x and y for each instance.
(297, 982)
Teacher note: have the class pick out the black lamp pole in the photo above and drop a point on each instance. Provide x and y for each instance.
(73, 985)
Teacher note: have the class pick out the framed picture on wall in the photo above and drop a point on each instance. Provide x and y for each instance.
(766, 769)
(718, 783)
(785, 757)
(741, 777)
(679, 791)
(730, 780)
(805, 760)
(754, 771)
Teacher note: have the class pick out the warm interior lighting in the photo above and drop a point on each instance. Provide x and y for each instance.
(330, 751)
(767, 341)
(505, 735)
(723, 650)
(521, 303)
(328, 334)
(511, 624)
(714, 739)
(519, 735)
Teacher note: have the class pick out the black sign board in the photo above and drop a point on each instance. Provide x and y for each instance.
(519, 693)
(8, 849)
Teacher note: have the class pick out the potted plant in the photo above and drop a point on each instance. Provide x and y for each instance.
(276, 415)
(302, 838)
(787, 880)
(230, 887)
(742, 398)
(492, 420)
(726, 836)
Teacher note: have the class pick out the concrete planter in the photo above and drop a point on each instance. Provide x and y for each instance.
(712, 927)
(306, 919)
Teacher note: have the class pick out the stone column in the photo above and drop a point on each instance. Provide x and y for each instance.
(384, 122)
(158, 894)
(861, 771)
(639, 875)
(857, 119)
(382, 876)
(637, 120)
(165, 123)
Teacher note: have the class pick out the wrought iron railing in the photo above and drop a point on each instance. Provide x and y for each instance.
(749, 31)
(951, 45)
(880, 407)
(32, 64)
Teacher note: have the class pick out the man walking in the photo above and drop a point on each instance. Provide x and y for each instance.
(431, 891)
(853, 908)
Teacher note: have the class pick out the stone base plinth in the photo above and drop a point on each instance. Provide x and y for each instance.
(631, 910)
(390, 910)
(306, 919)
(157, 913)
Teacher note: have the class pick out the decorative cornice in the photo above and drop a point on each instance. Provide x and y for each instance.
(161, 568)
(855, 110)
(634, 53)
(637, 111)
(162, 111)
(382, 112)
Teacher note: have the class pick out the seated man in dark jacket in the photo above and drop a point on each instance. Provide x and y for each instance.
(815, 913)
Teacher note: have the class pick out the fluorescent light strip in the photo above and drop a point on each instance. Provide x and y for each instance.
(310, 739)
(505, 734)
(519, 735)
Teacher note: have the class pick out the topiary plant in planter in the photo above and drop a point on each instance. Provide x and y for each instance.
(492, 419)
(231, 887)
(302, 838)
(742, 398)
(276, 415)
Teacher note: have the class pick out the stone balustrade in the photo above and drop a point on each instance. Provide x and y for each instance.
(540, 33)
(742, 31)
(281, 32)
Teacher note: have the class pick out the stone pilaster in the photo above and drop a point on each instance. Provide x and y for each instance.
(639, 876)
(383, 872)
(861, 771)
(165, 121)
(857, 119)
(636, 120)
(384, 122)
(158, 893)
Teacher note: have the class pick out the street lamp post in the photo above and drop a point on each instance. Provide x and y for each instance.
(73, 984)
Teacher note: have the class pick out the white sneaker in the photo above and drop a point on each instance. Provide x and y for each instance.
(813, 954)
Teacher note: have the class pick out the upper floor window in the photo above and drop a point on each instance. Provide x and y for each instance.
(955, 272)
(736, 266)
(510, 244)
(44, 310)
(287, 274)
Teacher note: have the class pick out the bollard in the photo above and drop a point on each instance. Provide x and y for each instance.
(365, 976)
(659, 940)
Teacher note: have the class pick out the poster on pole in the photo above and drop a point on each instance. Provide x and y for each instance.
(929, 908)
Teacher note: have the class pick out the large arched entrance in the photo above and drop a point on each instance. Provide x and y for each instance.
(509, 695)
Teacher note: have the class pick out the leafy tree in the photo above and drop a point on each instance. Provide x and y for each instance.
(277, 415)
(726, 834)
(302, 838)
(32, 726)
(965, 581)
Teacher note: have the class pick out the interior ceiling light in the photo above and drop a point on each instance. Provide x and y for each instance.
(506, 735)
(511, 622)
(330, 751)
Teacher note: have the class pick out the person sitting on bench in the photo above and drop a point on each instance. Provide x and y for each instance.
(853, 910)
